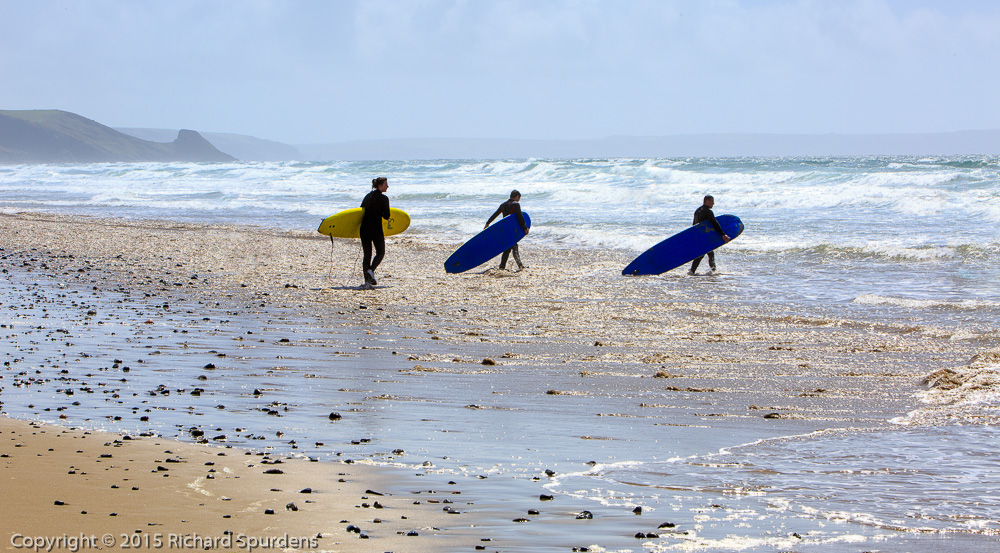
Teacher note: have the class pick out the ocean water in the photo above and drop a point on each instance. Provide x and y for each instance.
(876, 234)
(907, 241)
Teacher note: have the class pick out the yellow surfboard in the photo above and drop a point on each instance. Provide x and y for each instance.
(347, 223)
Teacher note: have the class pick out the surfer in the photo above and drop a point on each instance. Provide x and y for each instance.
(511, 206)
(376, 206)
(704, 213)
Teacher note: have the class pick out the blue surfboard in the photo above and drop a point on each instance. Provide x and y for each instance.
(684, 247)
(486, 245)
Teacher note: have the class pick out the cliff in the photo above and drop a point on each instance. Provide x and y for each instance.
(244, 147)
(54, 136)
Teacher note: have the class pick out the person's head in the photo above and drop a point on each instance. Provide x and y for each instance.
(709, 201)
(381, 183)
(515, 195)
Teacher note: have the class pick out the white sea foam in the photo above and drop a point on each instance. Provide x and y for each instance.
(694, 542)
(911, 303)
(809, 222)
(972, 386)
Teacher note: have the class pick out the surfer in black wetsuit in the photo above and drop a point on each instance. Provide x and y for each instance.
(376, 206)
(511, 206)
(704, 213)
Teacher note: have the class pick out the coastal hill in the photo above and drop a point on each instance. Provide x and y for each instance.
(244, 147)
(54, 136)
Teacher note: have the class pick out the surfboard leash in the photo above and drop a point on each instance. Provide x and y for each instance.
(333, 247)
(344, 279)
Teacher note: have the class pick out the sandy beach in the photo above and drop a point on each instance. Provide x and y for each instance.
(569, 306)
(633, 355)
(114, 492)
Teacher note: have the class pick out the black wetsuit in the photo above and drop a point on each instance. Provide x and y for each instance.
(508, 208)
(376, 205)
(704, 213)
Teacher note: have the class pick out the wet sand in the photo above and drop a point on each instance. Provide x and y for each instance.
(579, 338)
(567, 307)
(152, 493)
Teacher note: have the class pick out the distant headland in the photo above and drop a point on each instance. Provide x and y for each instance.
(54, 136)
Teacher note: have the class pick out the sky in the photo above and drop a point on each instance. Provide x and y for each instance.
(323, 71)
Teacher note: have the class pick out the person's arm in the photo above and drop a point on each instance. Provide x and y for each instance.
(494, 216)
(385, 208)
(520, 218)
(711, 218)
(718, 227)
